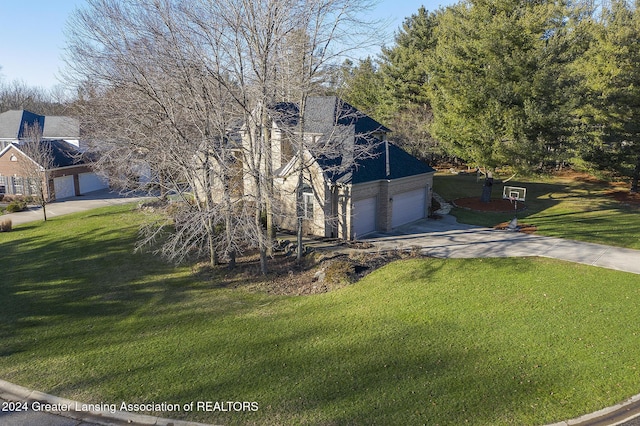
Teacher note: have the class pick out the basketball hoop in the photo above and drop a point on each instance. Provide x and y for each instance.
(514, 194)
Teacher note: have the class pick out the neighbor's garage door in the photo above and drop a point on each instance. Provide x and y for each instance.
(364, 216)
(63, 187)
(90, 182)
(408, 207)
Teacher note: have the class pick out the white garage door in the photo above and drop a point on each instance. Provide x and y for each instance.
(364, 216)
(90, 182)
(63, 187)
(408, 207)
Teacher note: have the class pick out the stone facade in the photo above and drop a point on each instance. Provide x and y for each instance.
(333, 203)
(334, 180)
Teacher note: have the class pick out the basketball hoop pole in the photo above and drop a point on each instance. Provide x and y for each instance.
(514, 194)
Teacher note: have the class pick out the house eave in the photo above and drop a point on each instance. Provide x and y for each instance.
(425, 174)
(73, 166)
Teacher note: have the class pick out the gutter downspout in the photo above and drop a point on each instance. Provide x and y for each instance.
(386, 156)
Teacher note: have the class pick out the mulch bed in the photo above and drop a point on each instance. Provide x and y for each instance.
(291, 278)
(494, 206)
(626, 197)
(522, 227)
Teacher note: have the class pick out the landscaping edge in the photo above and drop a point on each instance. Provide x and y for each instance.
(15, 393)
(614, 415)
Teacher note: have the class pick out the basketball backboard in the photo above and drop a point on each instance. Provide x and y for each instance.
(514, 193)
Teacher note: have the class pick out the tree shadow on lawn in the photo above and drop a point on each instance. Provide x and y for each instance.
(610, 224)
(348, 366)
(300, 366)
(92, 276)
(584, 200)
(540, 195)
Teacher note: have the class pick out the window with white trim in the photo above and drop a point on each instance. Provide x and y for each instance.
(307, 202)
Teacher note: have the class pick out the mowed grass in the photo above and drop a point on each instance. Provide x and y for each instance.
(424, 341)
(573, 208)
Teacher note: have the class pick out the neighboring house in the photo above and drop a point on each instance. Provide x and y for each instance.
(363, 184)
(71, 174)
(12, 126)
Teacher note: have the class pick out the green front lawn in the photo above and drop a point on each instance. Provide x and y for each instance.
(577, 209)
(424, 341)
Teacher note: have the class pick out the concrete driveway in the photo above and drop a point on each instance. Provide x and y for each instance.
(446, 238)
(72, 205)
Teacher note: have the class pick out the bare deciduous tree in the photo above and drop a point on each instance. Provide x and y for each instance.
(17, 95)
(167, 85)
(35, 165)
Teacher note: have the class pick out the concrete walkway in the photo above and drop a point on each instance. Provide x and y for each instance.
(445, 238)
(81, 203)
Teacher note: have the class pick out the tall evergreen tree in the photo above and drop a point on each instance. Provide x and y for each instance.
(610, 113)
(405, 73)
(363, 87)
(497, 83)
(404, 65)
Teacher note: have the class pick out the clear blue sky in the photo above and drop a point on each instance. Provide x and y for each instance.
(32, 39)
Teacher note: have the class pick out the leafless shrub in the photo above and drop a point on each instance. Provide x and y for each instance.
(6, 225)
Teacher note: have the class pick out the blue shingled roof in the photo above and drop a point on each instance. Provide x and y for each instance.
(64, 154)
(354, 131)
(323, 113)
(12, 123)
(373, 165)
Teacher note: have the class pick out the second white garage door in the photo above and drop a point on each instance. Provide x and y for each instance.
(90, 182)
(63, 187)
(408, 207)
(364, 216)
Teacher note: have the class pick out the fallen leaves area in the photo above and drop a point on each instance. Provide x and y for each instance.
(626, 197)
(619, 192)
(522, 227)
(318, 272)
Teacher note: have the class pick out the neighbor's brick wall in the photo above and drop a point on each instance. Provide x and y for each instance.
(8, 167)
(14, 168)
